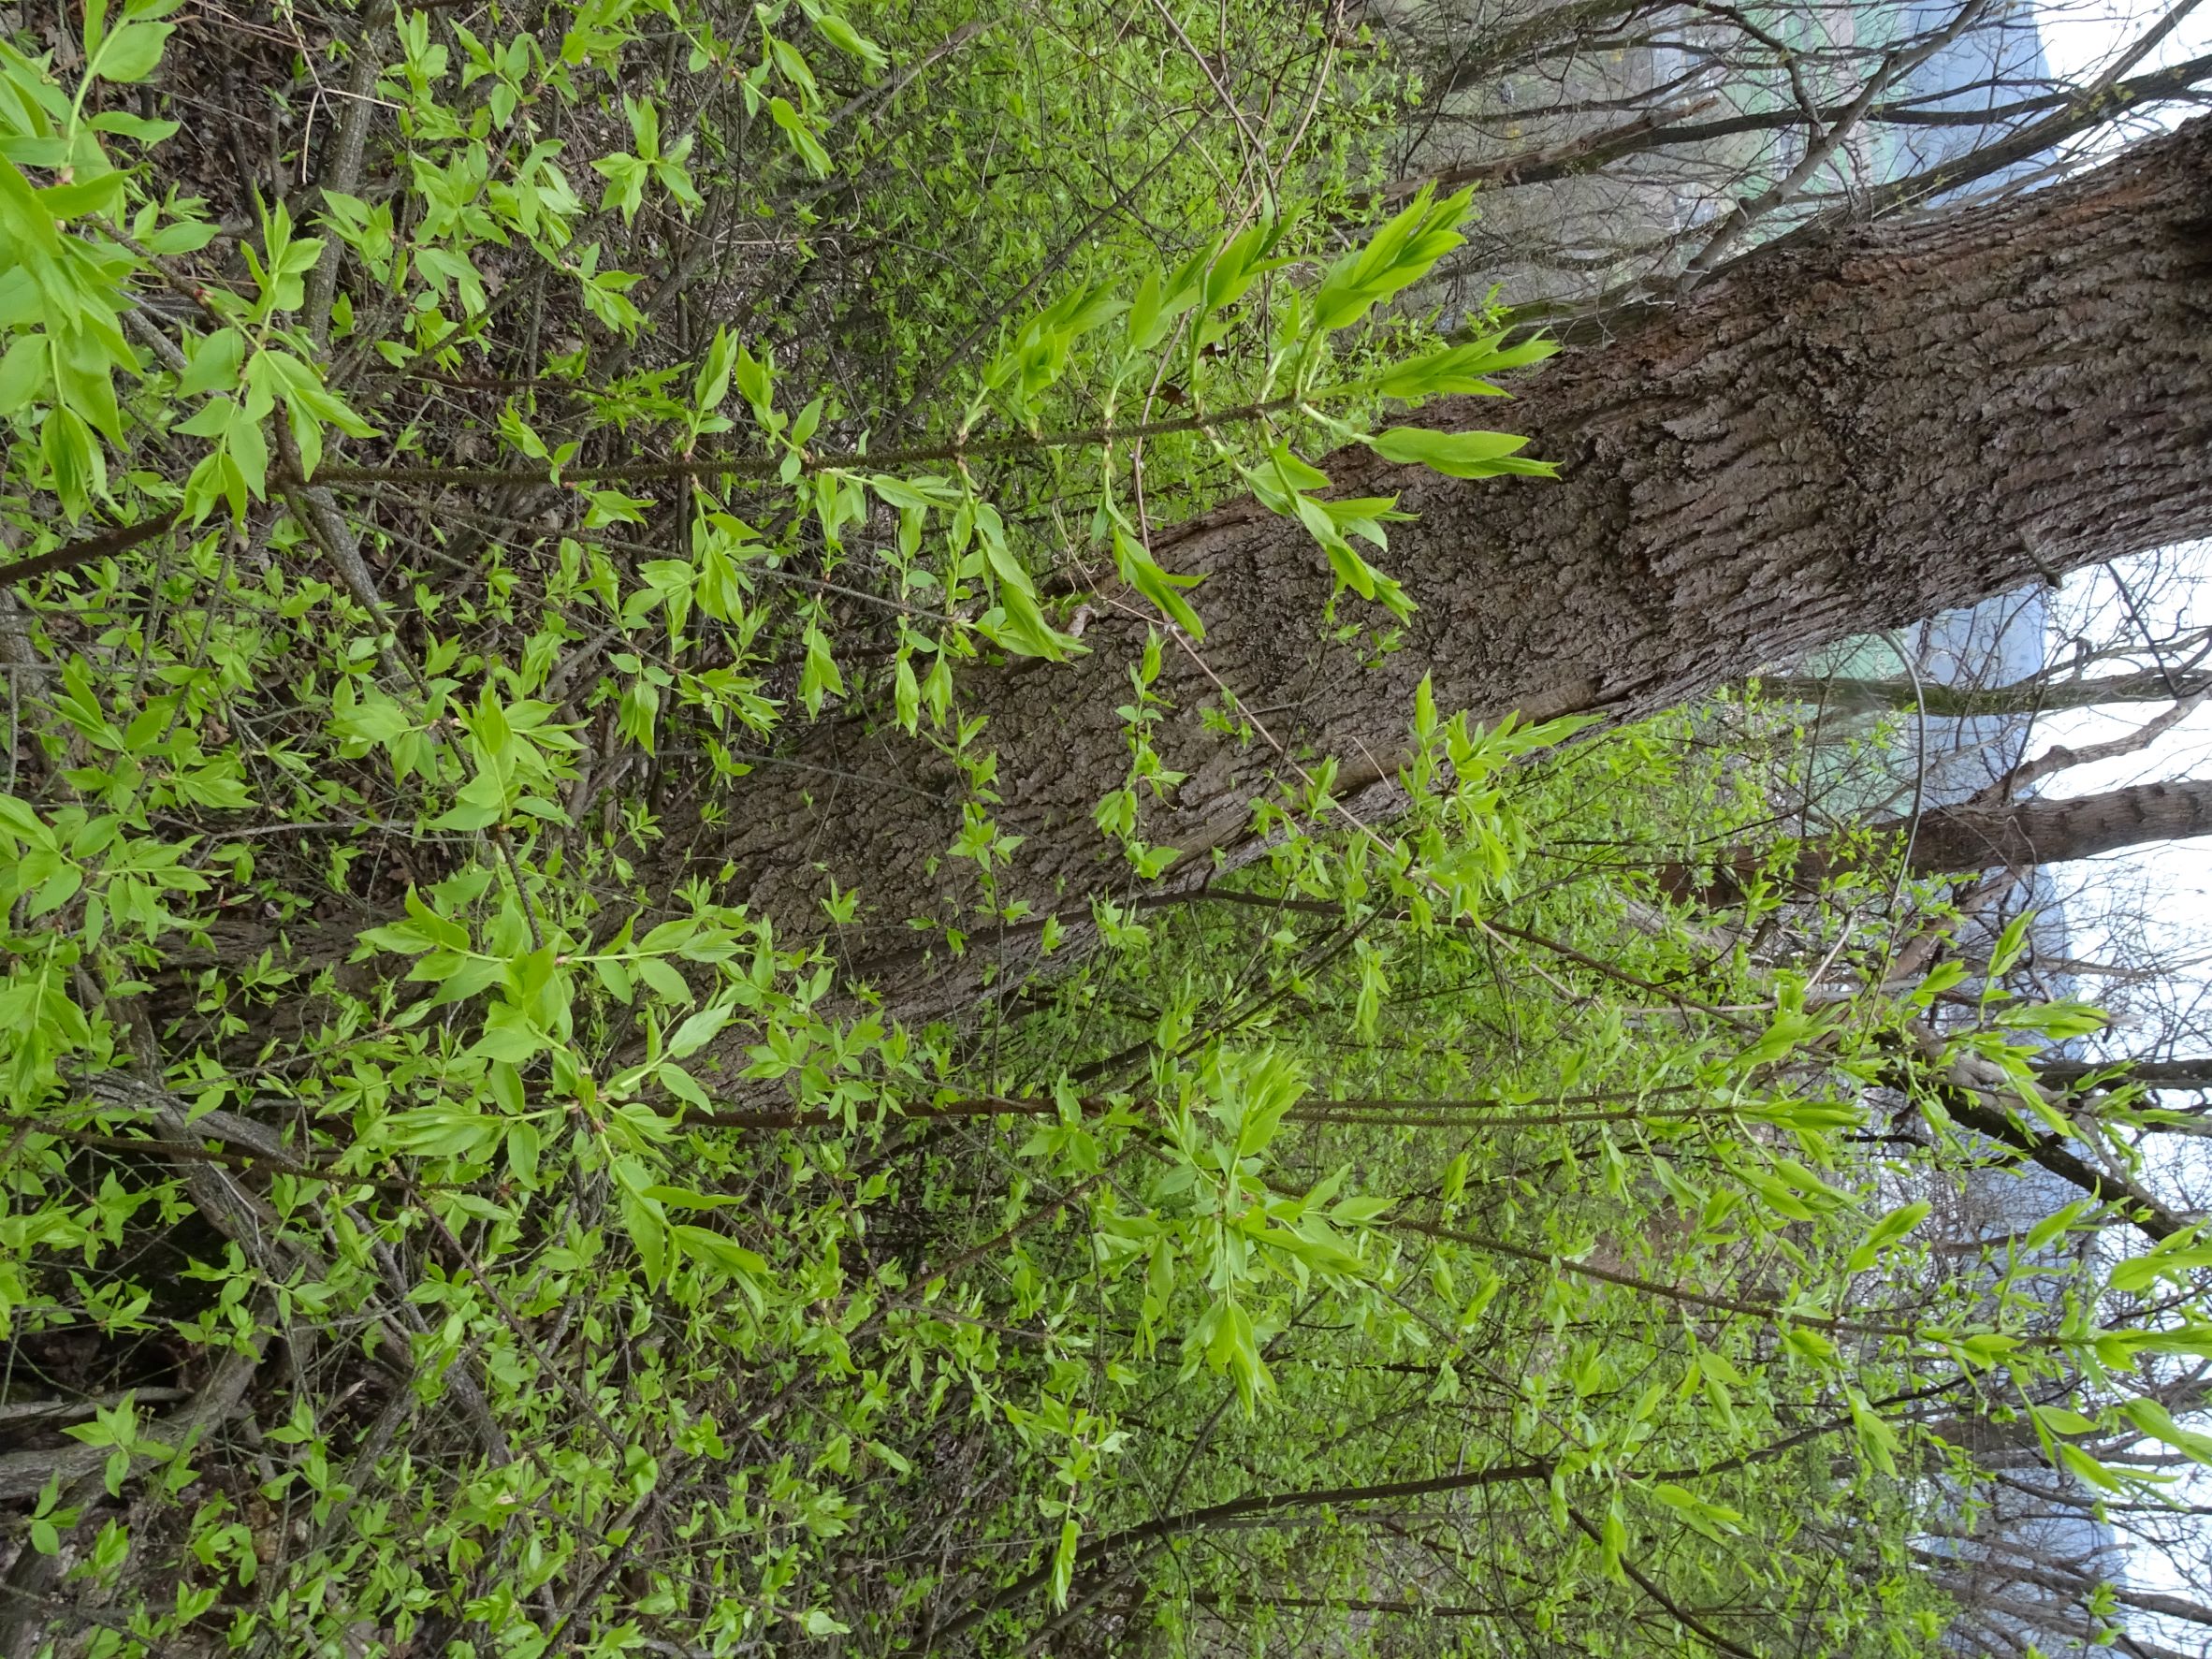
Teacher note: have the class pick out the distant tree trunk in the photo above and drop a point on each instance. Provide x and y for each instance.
(2186, 1074)
(1846, 695)
(1964, 840)
(1846, 434)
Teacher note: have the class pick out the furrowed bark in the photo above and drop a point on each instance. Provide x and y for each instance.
(1827, 438)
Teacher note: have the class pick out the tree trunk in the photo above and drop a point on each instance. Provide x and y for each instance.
(2188, 1073)
(1847, 434)
(1840, 694)
(1965, 841)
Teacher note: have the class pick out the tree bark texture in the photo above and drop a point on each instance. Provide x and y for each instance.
(1827, 438)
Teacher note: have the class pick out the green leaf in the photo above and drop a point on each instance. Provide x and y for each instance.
(697, 1031)
(1875, 1436)
(2063, 1419)
(214, 364)
(1064, 1560)
(2081, 1464)
(2056, 1021)
(2158, 1423)
(2051, 1225)
(818, 677)
(1139, 570)
(663, 978)
(134, 126)
(716, 1254)
(1358, 1211)
(907, 692)
(2175, 1257)
(25, 371)
(131, 53)
(1717, 1522)
(1887, 1231)
(1396, 257)
(1241, 265)
(680, 1084)
(847, 39)
(638, 712)
(1612, 1541)
(1230, 1345)
(1296, 474)
(648, 1234)
(23, 215)
(2010, 944)
(1460, 369)
(686, 1198)
(1812, 1344)
(801, 135)
(1458, 454)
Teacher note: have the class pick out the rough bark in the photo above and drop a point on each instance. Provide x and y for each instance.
(1846, 434)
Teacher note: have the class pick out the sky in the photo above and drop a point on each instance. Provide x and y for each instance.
(2083, 36)
(2173, 591)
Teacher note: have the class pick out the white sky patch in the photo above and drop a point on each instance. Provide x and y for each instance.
(2081, 37)
(2164, 593)
(2172, 590)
